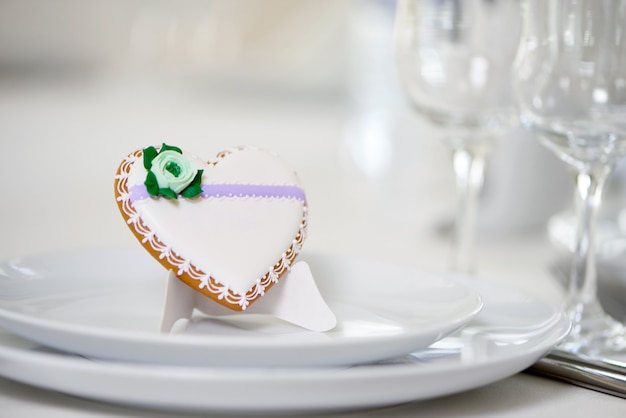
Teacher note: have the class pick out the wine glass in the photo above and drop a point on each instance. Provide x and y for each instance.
(454, 59)
(570, 83)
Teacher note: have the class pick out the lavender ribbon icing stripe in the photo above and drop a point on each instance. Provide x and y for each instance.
(252, 190)
(139, 192)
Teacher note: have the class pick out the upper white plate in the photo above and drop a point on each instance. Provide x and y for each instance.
(510, 333)
(108, 305)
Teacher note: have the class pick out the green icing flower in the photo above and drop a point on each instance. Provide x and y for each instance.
(169, 173)
(173, 171)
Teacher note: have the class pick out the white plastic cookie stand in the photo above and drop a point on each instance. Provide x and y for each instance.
(295, 299)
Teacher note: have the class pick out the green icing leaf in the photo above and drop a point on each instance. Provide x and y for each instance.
(166, 147)
(151, 183)
(169, 193)
(194, 188)
(191, 191)
(197, 180)
(148, 155)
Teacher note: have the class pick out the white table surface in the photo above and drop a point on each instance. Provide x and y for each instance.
(61, 147)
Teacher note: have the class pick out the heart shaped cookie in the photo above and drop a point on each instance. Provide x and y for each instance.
(228, 228)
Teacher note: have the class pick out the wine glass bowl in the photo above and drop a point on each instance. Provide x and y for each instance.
(454, 59)
(571, 79)
(570, 85)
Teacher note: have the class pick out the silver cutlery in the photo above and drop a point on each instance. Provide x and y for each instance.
(599, 374)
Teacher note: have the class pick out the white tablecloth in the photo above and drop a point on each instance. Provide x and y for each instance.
(61, 147)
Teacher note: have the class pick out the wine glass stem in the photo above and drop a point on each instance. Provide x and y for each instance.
(469, 171)
(583, 280)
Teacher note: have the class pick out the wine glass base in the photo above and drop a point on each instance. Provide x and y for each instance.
(595, 334)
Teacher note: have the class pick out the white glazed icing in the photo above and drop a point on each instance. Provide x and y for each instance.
(233, 247)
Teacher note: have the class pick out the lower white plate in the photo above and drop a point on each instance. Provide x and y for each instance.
(508, 335)
(109, 304)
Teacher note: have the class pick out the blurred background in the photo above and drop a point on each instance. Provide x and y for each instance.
(85, 82)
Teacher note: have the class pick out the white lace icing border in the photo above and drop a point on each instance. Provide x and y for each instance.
(206, 284)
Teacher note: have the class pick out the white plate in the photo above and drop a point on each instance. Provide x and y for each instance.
(108, 305)
(511, 333)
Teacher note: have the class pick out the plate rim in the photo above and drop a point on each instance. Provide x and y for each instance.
(503, 365)
(237, 342)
